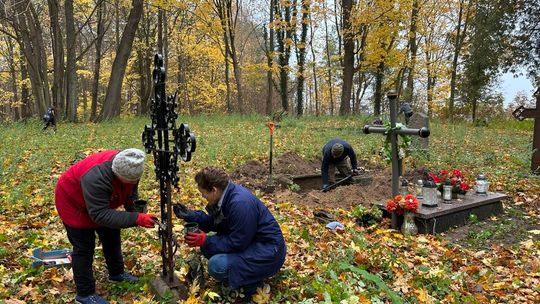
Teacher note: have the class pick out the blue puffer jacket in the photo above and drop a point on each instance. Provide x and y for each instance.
(248, 233)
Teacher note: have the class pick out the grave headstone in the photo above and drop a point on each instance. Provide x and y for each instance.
(417, 121)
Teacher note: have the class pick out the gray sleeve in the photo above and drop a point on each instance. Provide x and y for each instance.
(96, 185)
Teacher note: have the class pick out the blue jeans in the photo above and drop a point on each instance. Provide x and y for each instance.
(217, 268)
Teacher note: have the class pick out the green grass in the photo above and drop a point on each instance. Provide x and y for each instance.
(31, 162)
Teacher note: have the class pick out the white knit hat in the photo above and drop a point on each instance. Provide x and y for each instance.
(129, 164)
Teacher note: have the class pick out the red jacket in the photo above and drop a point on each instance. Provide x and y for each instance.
(88, 193)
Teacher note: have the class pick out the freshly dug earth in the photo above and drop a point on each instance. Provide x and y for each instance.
(254, 175)
(510, 228)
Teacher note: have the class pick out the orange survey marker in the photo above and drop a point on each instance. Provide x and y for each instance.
(272, 126)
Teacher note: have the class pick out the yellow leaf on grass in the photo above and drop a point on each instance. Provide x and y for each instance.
(212, 295)
(498, 285)
(536, 231)
(422, 294)
(192, 300)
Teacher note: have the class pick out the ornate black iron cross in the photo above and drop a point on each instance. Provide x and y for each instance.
(520, 114)
(393, 133)
(171, 143)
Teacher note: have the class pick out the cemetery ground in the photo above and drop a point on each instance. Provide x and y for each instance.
(492, 261)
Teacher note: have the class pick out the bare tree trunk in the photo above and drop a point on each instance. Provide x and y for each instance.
(13, 74)
(25, 93)
(160, 31)
(339, 29)
(111, 106)
(301, 57)
(165, 42)
(458, 44)
(378, 96)
(329, 62)
(316, 88)
(117, 23)
(30, 36)
(283, 35)
(97, 61)
(348, 58)
(227, 74)
(270, 60)
(71, 64)
(58, 57)
(413, 48)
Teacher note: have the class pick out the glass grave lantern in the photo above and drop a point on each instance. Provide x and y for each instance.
(481, 185)
(404, 189)
(429, 191)
(447, 192)
(418, 188)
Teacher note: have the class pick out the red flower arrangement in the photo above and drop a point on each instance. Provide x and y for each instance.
(456, 179)
(400, 204)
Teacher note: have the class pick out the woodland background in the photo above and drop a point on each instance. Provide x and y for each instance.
(92, 59)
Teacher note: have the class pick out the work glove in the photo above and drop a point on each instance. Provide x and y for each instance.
(195, 239)
(181, 211)
(146, 220)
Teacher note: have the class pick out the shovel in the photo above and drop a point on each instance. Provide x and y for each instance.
(339, 182)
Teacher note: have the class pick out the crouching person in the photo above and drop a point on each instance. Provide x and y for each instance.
(248, 246)
(87, 196)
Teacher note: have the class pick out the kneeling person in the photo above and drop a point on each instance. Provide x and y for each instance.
(249, 244)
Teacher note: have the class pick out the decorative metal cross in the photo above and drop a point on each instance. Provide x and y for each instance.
(163, 114)
(393, 134)
(520, 114)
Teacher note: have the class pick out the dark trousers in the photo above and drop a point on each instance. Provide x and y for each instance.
(84, 243)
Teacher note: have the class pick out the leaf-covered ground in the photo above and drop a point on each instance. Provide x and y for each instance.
(373, 265)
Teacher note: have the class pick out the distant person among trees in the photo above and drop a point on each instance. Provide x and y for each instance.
(248, 246)
(407, 111)
(87, 196)
(50, 118)
(339, 154)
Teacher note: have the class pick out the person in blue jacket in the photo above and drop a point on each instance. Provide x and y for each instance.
(248, 246)
(339, 154)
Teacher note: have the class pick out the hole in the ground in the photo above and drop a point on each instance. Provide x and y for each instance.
(306, 183)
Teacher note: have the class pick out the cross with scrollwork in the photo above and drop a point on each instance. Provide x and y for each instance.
(171, 143)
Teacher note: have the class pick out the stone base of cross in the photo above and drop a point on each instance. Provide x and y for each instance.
(393, 134)
(520, 114)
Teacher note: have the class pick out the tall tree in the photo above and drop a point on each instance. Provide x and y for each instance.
(314, 66)
(461, 32)
(228, 11)
(270, 46)
(526, 40)
(97, 60)
(111, 106)
(348, 57)
(328, 59)
(301, 55)
(29, 34)
(58, 56)
(71, 63)
(489, 30)
(413, 49)
(284, 32)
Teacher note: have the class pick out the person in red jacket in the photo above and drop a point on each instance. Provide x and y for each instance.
(86, 197)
